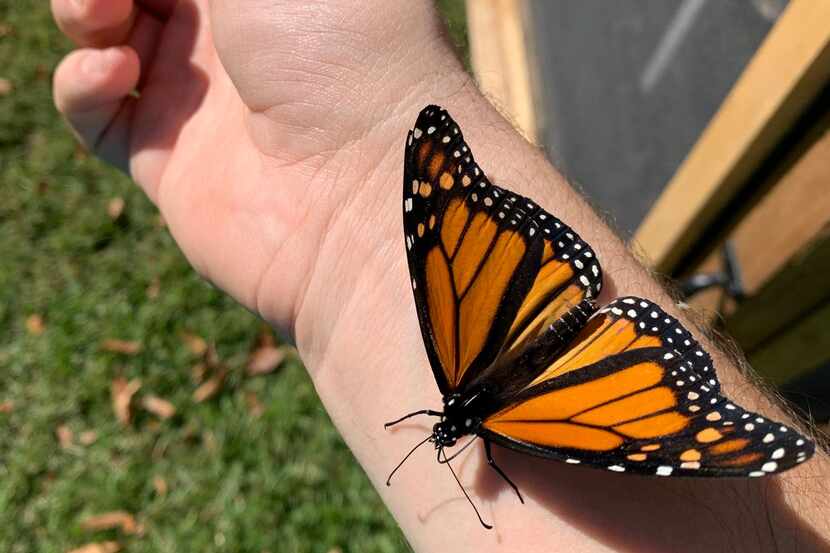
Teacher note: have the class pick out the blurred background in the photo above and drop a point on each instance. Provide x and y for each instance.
(142, 410)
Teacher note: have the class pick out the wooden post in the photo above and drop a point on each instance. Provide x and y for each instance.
(785, 75)
(499, 56)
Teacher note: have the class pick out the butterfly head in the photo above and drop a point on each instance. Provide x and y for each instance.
(457, 421)
(445, 433)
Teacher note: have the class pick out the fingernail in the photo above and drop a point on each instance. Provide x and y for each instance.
(100, 62)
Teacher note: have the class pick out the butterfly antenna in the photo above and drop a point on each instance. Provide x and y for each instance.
(446, 462)
(429, 412)
(422, 442)
(459, 452)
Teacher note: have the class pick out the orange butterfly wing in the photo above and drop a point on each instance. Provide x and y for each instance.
(489, 268)
(635, 392)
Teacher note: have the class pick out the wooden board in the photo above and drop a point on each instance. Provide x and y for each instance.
(499, 56)
(795, 292)
(786, 74)
(782, 247)
(789, 216)
(798, 350)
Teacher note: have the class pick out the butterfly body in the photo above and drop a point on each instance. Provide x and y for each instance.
(505, 294)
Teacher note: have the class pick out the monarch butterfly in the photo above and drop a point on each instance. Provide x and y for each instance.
(505, 294)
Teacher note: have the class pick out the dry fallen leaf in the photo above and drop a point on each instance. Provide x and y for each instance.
(100, 547)
(158, 406)
(122, 393)
(154, 288)
(115, 207)
(264, 360)
(65, 436)
(198, 372)
(88, 437)
(152, 425)
(209, 387)
(128, 347)
(114, 519)
(160, 484)
(35, 325)
(5, 86)
(195, 343)
(42, 72)
(265, 336)
(5, 30)
(6, 406)
(255, 406)
(212, 358)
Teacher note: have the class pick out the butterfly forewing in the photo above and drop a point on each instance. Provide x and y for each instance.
(489, 268)
(635, 392)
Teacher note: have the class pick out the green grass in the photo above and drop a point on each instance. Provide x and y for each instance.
(282, 481)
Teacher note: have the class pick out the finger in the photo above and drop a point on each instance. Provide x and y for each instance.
(91, 90)
(96, 23)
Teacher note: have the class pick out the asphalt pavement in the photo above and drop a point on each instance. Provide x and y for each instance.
(625, 87)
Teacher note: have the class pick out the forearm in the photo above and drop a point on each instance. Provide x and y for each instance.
(271, 135)
(360, 284)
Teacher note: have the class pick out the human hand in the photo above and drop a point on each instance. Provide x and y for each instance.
(270, 135)
(258, 128)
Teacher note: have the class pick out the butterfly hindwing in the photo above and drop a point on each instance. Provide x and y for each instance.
(489, 268)
(635, 392)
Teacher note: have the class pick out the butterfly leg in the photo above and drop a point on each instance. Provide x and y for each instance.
(429, 412)
(492, 463)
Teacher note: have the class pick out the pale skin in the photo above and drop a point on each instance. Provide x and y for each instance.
(270, 135)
